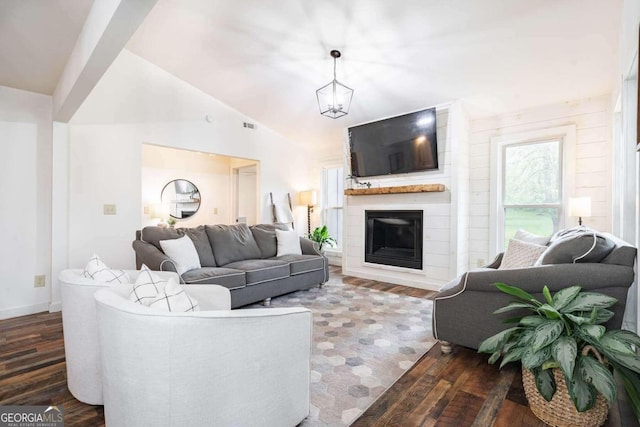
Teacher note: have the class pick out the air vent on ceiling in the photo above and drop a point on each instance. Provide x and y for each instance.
(249, 125)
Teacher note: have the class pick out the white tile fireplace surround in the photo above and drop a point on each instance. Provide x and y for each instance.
(436, 230)
(445, 214)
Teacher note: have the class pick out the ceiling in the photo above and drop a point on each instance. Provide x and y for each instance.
(266, 58)
(36, 39)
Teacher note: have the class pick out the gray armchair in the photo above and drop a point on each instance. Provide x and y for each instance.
(463, 309)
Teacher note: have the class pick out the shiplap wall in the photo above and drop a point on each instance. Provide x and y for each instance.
(440, 252)
(592, 162)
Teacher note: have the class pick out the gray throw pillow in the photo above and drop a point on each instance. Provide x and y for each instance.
(154, 234)
(197, 234)
(201, 241)
(265, 236)
(578, 244)
(232, 243)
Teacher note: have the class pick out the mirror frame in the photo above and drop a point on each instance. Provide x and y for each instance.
(176, 203)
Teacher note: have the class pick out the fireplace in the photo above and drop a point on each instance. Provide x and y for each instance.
(394, 238)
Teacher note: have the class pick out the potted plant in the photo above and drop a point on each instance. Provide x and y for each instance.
(321, 236)
(171, 222)
(567, 354)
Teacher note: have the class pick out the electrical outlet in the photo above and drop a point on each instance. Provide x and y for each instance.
(39, 281)
(480, 262)
(147, 210)
(109, 209)
(215, 211)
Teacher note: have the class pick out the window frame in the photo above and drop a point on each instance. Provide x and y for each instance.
(325, 203)
(567, 137)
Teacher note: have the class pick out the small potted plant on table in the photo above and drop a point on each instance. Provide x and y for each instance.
(567, 355)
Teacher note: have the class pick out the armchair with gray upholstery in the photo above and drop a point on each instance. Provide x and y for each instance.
(463, 309)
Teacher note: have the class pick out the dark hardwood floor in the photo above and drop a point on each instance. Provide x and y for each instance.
(459, 389)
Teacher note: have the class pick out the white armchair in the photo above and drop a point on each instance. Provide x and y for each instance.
(209, 368)
(80, 328)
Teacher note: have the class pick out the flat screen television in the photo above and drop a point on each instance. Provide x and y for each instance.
(400, 144)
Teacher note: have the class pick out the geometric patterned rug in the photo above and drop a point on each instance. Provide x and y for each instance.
(363, 341)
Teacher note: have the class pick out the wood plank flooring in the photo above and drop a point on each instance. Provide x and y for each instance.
(459, 389)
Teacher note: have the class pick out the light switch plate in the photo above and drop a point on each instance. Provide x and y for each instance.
(147, 210)
(215, 211)
(109, 209)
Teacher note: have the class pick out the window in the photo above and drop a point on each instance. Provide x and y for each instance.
(532, 188)
(333, 193)
(530, 183)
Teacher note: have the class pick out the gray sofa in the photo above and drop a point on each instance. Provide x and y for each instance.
(463, 309)
(240, 258)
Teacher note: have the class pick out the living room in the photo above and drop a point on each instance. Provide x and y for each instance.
(89, 89)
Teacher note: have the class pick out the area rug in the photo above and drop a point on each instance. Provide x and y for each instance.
(363, 341)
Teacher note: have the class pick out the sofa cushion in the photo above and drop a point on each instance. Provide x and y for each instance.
(232, 243)
(174, 299)
(578, 244)
(527, 237)
(98, 271)
(288, 243)
(201, 241)
(521, 254)
(148, 285)
(182, 252)
(265, 236)
(227, 277)
(197, 235)
(299, 264)
(261, 270)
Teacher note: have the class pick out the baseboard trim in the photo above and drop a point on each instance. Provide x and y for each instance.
(55, 306)
(24, 310)
(419, 283)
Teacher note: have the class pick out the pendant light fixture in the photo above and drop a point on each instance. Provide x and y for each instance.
(334, 98)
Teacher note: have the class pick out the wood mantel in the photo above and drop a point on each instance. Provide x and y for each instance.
(422, 188)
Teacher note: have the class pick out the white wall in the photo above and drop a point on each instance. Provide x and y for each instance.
(592, 161)
(626, 222)
(25, 190)
(135, 103)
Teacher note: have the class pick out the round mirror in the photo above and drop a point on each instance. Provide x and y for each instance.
(182, 197)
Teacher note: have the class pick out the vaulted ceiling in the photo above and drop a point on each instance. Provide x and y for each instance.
(266, 58)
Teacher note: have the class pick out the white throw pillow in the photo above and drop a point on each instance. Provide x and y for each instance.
(527, 237)
(521, 254)
(183, 253)
(147, 287)
(175, 299)
(288, 243)
(98, 271)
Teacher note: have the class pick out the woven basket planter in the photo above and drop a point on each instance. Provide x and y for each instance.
(561, 411)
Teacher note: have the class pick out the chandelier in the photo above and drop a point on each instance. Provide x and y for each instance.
(334, 98)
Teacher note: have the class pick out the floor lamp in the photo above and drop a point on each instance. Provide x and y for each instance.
(309, 198)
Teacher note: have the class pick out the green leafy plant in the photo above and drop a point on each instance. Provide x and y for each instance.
(321, 236)
(171, 221)
(559, 333)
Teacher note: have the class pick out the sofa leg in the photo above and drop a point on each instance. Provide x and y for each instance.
(320, 285)
(266, 302)
(445, 347)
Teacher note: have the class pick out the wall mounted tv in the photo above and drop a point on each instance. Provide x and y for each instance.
(400, 144)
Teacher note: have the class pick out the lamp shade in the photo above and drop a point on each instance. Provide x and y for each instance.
(309, 198)
(580, 206)
(160, 210)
